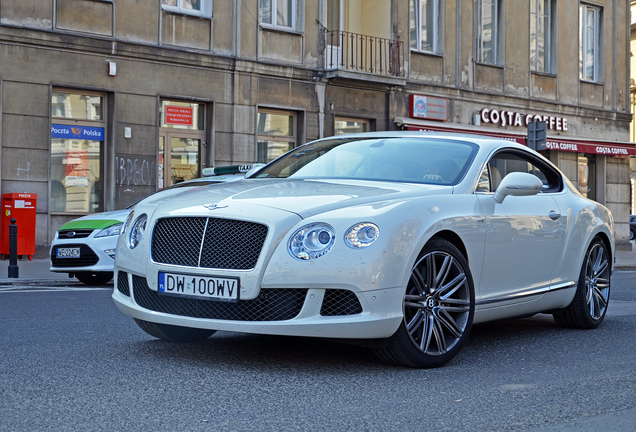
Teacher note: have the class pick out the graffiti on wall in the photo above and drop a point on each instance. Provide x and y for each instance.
(135, 171)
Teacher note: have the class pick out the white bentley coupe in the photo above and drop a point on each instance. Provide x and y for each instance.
(399, 241)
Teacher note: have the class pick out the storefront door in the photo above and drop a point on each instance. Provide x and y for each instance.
(181, 142)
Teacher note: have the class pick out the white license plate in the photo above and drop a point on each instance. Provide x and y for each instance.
(68, 252)
(200, 287)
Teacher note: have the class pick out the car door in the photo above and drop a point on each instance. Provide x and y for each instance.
(524, 234)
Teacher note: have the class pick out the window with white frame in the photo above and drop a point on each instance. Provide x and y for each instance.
(277, 13)
(202, 8)
(541, 31)
(423, 25)
(589, 42)
(345, 125)
(488, 16)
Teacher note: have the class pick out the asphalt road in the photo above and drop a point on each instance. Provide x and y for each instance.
(70, 361)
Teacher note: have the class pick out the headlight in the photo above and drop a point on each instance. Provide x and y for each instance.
(128, 222)
(362, 235)
(137, 230)
(110, 231)
(311, 241)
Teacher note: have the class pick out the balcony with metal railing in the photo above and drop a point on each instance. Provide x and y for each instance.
(356, 56)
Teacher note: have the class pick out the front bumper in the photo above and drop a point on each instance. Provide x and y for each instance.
(97, 255)
(299, 314)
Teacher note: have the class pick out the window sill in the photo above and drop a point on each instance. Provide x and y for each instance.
(280, 29)
(177, 11)
(427, 53)
(493, 65)
(600, 83)
(545, 74)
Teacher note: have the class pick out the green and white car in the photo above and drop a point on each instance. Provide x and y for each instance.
(85, 247)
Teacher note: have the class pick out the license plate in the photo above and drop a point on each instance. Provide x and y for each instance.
(200, 287)
(68, 252)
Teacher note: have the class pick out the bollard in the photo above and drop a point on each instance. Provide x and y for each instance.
(14, 270)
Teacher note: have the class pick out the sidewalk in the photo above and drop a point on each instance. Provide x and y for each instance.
(38, 270)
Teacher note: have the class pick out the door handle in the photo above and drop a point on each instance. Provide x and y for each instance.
(554, 215)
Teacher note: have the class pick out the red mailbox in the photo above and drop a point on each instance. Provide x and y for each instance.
(20, 206)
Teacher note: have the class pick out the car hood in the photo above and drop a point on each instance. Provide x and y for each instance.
(98, 220)
(302, 197)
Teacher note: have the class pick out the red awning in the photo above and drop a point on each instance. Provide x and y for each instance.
(577, 145)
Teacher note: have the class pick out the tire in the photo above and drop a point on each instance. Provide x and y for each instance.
(98, 278)
(438, 309)
(174, 333)
(632, 233)
(590, 301)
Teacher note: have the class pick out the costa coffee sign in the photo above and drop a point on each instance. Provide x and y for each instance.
(510, 118)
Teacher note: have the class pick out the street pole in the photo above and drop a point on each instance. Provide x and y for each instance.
(14, 270)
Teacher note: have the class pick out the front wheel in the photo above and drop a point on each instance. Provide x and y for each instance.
(438, 309)
(589, 305)
(174, 333)
(632, 233)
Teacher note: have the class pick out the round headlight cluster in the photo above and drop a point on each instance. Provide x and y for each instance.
(362, 235)
(311, 241)
(137, 230)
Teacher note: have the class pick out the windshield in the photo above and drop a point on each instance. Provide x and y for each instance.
(409, 159)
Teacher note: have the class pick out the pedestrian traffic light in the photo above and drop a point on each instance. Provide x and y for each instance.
(536, 139)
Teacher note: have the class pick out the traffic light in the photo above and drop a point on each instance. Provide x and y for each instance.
(537, 135)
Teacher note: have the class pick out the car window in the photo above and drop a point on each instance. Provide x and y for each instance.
(504, 163)
(412, 159)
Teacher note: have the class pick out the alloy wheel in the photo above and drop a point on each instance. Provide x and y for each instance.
(597, 281)
(437, 303)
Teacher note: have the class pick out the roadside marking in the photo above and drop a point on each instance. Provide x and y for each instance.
(24, 289)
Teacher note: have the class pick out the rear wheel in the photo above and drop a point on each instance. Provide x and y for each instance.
(589, 305)
(174, 333)
(98, 278)
(438, 308)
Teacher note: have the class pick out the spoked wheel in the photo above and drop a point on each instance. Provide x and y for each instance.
(589, 305)
(439, 305)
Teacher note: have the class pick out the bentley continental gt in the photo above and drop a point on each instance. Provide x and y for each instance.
(399, 241)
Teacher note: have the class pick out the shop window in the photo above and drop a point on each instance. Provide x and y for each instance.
(202, 8)
(589, 42)
(344, 126)
(423, 25)
(277, 13)
(276, 134)
(542, 29)
(77, 137)
(587, 175)
(488, 31)
(181, 139)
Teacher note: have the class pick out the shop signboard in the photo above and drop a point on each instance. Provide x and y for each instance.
(179, 115)
(429, 108)
(77, 132)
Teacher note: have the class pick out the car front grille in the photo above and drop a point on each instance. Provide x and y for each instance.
(73, 234)
(340, 302)
(87, 257)
(270, 305)
(208, 242)
(122, 283)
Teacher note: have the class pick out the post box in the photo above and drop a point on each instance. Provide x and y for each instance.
(20, 206)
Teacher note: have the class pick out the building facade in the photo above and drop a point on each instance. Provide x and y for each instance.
(103, 102)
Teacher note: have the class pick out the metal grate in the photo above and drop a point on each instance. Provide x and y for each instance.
(270, 305)
(340, 302)
(73, 234)
(227, 243)
(87, 257)
(122, 283)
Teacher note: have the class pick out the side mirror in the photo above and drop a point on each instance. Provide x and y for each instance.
(518, 184)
